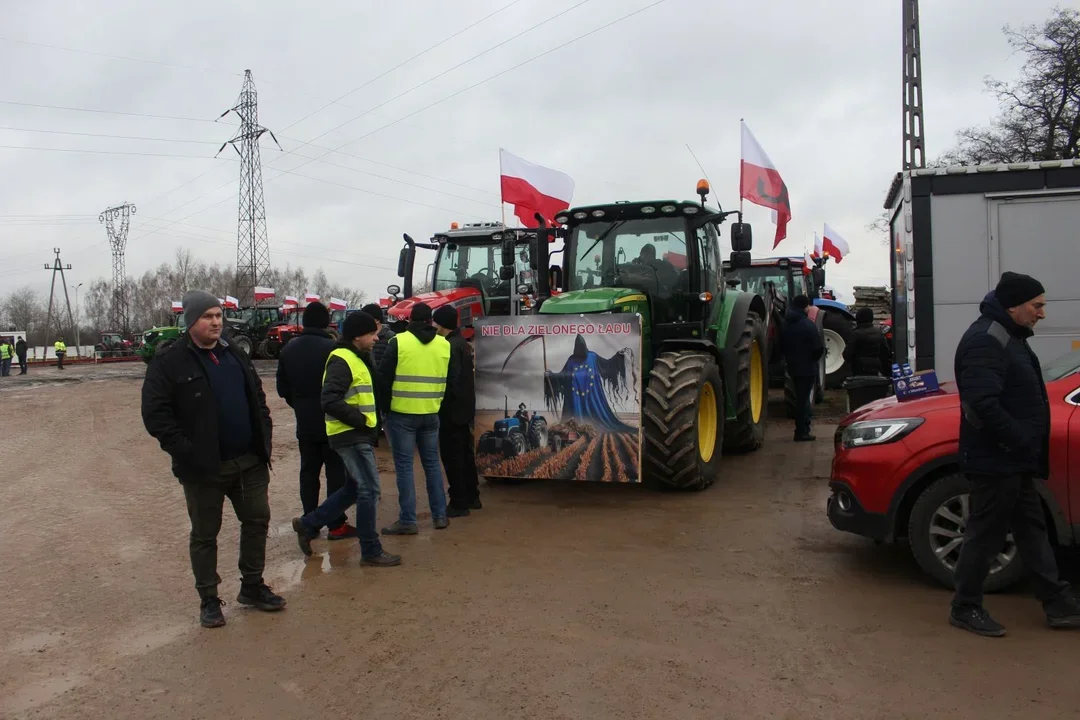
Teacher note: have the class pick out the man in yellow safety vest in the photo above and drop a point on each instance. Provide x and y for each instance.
(417, 368)
(348, 401)
(61, 351)
(7, 351)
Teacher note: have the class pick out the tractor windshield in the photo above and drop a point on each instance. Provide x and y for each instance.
(647, 254)
(477, 265)
(753, 279)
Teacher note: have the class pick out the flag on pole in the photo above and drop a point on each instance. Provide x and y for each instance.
(808, 262)
(310, 298)
(177, 306)
(818, 250)
(532, 189)
(263, 293)
(761, 184)
(834, 244)
(231, 303)
(338, 304)
(290, 301)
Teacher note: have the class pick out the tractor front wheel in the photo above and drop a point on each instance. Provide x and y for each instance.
(683, 419)
(837, 332)
(747, 432)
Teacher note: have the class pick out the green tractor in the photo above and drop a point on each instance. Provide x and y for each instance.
(704, 344)
(159, 338)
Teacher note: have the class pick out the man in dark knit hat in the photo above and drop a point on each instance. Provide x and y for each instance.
(204, 403)
(351, 417)
(1004, 448)
(299, 382)
(456, 419)
(385, 333)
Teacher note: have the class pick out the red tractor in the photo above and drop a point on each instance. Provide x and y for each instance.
(480, 269)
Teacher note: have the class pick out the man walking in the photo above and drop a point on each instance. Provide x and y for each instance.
(803, 349)
(20, 352)
(385, 333)
(456, 419)
(299, 382)
(348, 400)
(61, 351)
(1004, 446)
(204, 403)
(7, 352)
(417, 370)
(868, 353)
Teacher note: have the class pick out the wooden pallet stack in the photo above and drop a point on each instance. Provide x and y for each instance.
(877, 299)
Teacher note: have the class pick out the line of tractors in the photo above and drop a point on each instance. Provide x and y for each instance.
(710, 326)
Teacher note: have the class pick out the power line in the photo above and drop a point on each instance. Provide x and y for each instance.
(105, 152)
(118, 57)
(115, 137)
(104, 112)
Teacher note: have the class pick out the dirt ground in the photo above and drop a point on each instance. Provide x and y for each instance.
(554, 601)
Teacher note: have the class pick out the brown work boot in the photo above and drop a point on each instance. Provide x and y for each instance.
(399, 529)
(383, 559)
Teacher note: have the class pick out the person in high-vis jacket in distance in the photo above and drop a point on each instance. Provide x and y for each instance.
(349, 402)
(417, 369)
(61, 351)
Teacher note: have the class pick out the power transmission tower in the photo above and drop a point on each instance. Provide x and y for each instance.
(914, 153)
(58, 267)
(252, 244)
(119, 312)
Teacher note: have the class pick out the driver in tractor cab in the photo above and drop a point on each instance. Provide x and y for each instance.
(522, 415)
(665, 276)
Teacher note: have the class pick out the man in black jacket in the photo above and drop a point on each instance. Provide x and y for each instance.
(349, 402)
(803, 349)
(868, 353)
(1004, 445)
(384, 334)
(299, 381)
(20, 352)
(204, 403)
(456, 418)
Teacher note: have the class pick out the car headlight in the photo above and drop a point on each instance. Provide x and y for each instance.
(878, 432)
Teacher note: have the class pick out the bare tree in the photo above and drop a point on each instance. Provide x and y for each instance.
(883, 226)
(24, 310)
(1040, 112)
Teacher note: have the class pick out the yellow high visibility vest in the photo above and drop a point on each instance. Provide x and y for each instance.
(361, 392)
(420, 380)
(5, 351)
(59, 346)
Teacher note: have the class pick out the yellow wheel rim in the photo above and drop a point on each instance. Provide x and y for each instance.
(757, 382)
(706, 422)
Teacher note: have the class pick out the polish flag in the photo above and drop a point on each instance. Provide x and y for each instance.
(835, 244)
(808, 263)
(177, 306)
(338, 304)
(532, 188)
(231, 302)
(310, 298)
(264, 293)
(818, 249)
(290, 301)
(761, 184)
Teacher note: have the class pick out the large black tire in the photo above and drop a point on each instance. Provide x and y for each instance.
(243, 343)
(947, 492)
(840, 332)
(271, 349)
(538, 433)
(747, 432)
(487, 444)
(673, 458)
(515, 445)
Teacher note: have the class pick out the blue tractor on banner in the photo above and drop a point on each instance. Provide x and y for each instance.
(517, 435)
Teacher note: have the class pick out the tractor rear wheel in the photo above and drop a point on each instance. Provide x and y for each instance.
(747, 432)
(837, 332)
(683, 418)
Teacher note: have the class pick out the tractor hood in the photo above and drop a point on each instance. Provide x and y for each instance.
(592, 300)
(435, 299)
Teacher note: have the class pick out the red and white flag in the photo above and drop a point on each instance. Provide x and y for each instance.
(263, 293)
(177, 306)
(834, 244)
(761, 184)
(310, 298)
(338, 304)
(532, 189)
(290, 301)
(230, 302)
(818, 250)
(808, 263)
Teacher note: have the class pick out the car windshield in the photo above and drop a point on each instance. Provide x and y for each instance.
(477, 265)
(753, 279)
(1061, 367)
(629, 253)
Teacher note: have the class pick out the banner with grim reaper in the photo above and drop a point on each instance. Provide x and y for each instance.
(559, 397)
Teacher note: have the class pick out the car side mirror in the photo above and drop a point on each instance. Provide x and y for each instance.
(741, 259)
(742, 237)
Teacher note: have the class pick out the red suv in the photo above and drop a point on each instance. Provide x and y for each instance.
(896, 475)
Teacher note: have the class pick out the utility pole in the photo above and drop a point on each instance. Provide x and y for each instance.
(58, 267)
(914, 152)
(78, 315)
(119, 312)
(252, 244)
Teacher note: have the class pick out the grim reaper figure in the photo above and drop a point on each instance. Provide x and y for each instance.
(581, 388)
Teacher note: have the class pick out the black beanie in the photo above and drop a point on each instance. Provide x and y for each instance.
(374, 310)
(445, 317)
(864, 316)
(421, 312)
(316, 316)
(357, 324)
(1015, 289)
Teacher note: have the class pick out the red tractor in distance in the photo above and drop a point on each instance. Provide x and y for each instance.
(481, 269)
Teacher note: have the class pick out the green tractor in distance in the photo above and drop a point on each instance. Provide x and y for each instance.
(704, 347)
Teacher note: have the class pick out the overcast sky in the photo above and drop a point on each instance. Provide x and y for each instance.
(818, 84)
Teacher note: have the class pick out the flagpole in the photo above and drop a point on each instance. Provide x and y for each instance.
(502, 202)
(741, 199)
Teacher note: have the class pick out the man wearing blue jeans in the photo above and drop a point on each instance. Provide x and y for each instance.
(417, 368)
(348, 401)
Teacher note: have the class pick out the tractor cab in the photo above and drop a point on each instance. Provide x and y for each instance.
(473, 271)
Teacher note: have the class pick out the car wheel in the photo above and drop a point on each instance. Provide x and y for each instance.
(936, 533)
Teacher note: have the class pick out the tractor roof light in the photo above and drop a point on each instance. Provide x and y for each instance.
(561, 219)
(497, 237)
(690, 209)
(648, 210)
(598, 213)
(454, 226)
(703, 187)
(668, 209)
(579, 215)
